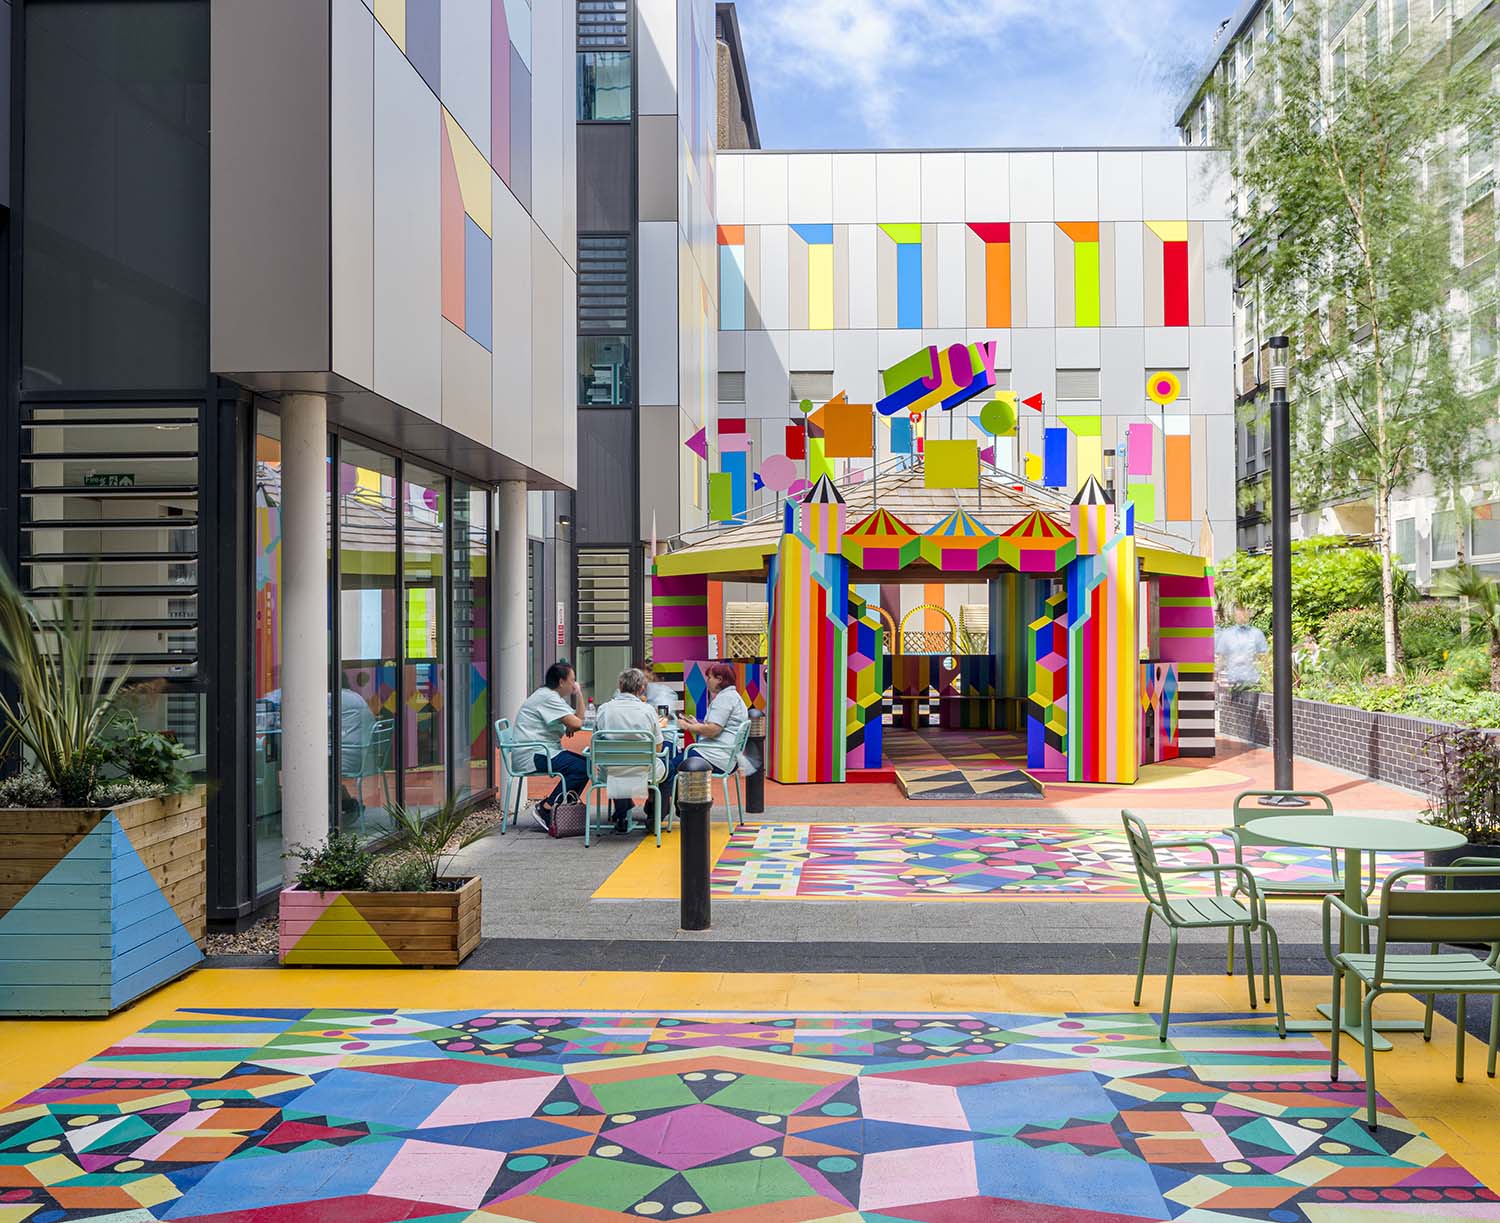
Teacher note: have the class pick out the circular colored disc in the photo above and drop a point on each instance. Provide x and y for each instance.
(777, 472)
(998, 418)
(1162, 388)
(806, 405)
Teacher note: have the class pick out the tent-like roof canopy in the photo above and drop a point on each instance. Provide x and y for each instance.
(738, 552)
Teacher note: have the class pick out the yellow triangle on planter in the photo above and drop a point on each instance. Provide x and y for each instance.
(341, 928)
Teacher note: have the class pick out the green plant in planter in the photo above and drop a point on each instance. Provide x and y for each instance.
(70, 683)
(340, 864)
(150, 757)
(1464, 784)
(426, 838)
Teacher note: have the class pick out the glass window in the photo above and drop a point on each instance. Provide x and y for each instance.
(604, 85)
(1372, 32)
(115, 269)
(367, 699)
(1444, 537)
(1247, 49)
(1340, 69)
(471, 639)
(1405, 541)
(1400, 23)
(1485, 529)
(424, 519)
(604, 376)
(265, 681)
(1482, 336)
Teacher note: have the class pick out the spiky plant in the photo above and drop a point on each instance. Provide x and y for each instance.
(69, 683)
(426, 836)
(1483, 595)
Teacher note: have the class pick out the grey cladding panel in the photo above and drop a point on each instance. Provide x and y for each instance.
(269, 186)
(604, 177)
(606, 504)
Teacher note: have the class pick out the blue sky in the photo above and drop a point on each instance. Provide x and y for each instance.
(971, 73)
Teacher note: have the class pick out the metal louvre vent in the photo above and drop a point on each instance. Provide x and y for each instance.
(603, 596)
(1078, 384)
(816, 385)
(731, 386)
(603, 23)
(604, 284)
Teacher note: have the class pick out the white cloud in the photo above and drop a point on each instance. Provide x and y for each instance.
(1091, 68)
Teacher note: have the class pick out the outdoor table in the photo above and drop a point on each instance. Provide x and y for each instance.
(1356, 835)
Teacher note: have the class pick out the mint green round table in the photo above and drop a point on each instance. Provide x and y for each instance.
(1355, 835)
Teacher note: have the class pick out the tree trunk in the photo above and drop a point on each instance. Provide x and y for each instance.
(1387, 582)
(1495, 671)
(1461, 556)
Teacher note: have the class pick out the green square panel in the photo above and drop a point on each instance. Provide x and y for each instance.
(755, 1182)
(639, 1095)
(753, 1093)
(606, 1184)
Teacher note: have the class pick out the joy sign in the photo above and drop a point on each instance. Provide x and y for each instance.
(934, 377)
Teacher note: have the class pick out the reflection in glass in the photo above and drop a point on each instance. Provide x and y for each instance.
(368, 623)
(423, 740)
(471, 639)
(603, 370)
(604, 85)
(265, 680)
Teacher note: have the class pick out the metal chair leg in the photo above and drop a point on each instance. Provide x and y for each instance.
(1494, 1032)
(1280, 1001)
(1166, 998)
(1369, 1037)
(1336, 1025)
(1462, 1038)
(1229, 960)
(1140, 968)
(1250, 969)
(1265, 958)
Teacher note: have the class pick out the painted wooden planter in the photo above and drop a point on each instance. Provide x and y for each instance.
(433, 929)
(99, 906)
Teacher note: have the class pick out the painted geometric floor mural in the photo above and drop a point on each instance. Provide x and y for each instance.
(297, 1116)
(891, 861)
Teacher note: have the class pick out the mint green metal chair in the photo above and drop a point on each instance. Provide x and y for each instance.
(627, 750)
(526, 751)
(1429, 916)
(741, 737)
(1216, 912)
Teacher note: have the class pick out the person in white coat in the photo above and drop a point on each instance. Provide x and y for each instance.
(629, 711)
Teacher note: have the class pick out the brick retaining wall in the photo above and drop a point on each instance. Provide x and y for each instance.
(1385, 746)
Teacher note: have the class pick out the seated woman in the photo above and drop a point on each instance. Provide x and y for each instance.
(629, 711)
(715, 734)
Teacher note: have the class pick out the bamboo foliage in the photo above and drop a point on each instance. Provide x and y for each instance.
(68, 681)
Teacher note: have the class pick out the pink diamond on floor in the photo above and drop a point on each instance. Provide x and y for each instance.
(688, 1137)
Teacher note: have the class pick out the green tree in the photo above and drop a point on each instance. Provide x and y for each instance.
(1329, 575)
(1347, 190)
(1483, 596)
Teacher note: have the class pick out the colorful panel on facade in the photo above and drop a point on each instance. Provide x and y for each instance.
(1186, 638)
(679, 621)
(957, 862)
(988, 251)
(1168, 276)
(899, 275)
(811, 255)
(1158, 720)
(1077, 293)
(731, 278)
(368, 1114)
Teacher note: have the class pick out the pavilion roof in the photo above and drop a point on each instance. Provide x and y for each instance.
(738, 552)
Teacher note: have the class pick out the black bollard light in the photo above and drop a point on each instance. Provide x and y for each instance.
(694, 804)
(755, 753)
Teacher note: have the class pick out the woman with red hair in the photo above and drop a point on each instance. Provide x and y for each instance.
(715, 734)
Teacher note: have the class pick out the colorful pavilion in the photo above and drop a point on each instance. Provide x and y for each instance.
(1100, 646)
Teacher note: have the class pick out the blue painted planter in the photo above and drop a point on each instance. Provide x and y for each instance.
(98, 907)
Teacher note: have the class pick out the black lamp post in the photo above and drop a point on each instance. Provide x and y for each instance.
(1281, 575)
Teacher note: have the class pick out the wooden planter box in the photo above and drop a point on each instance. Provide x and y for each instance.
(99, 906)
(432, 929)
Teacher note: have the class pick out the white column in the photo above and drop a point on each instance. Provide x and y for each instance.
(510, 598)
(304, 622)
